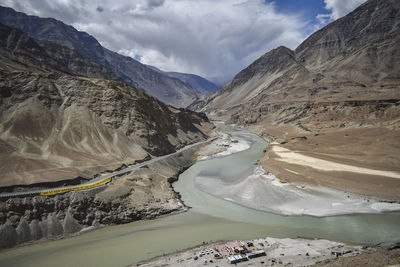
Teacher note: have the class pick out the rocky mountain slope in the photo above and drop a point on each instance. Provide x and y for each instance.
(169, 90)
(341, 85)
(19, 52)
(353, 58)
(56, 126)
(200, 84)
(143, 194)
(64, 120)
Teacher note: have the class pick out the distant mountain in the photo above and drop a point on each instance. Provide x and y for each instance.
(220, 80)
(20, 52)
(200, 84)
(61, 117)
(170, 91)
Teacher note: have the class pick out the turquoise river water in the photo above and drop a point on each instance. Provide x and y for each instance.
(209, 219)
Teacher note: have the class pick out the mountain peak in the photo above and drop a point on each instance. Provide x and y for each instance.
(336, 63)
(169, 90)
(373, 21)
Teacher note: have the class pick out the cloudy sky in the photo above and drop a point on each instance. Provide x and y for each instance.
(206, 37)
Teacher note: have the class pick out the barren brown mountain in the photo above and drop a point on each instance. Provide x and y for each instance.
(335, 97)
(65, 119)
(56, 126)
(167, 89)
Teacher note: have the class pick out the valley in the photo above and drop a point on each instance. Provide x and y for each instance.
(334, 98)
(209, 219)
(107, 160)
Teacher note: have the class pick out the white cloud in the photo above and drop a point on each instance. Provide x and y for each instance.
(207, 37)
(338, 9)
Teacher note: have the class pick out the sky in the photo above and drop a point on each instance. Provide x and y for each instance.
(211, 38)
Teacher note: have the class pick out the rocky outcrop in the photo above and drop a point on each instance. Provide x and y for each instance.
(169, 90)
(142, 194)
(318, 116)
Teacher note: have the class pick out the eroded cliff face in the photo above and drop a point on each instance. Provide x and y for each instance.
(143, 194)
(54, 126)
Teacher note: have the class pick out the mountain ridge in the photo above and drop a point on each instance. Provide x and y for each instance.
(292, 63)
(335, 97)
(170, 91)
(21, 52)
(59, 110)
(200, 84)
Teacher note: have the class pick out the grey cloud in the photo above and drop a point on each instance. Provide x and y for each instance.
(155, 3)
(99, 9)
(66, 11)
(210, 38)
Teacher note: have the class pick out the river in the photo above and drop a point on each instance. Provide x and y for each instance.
(211, 218)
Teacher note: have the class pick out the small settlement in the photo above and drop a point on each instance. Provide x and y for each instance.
(260, 252)
(235, 252)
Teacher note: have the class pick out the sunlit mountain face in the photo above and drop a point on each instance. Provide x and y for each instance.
(181, 123)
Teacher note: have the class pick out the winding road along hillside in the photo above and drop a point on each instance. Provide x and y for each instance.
(97, 182)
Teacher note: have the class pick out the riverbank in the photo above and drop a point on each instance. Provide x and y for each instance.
(209, 219)
(248, 184)
(134, 194)
(223, 145)
(280, 252)
(360, 160)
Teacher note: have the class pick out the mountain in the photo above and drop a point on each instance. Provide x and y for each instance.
(198, 83)
(220, 80)
(61, 117)
(336, 97)
(170, 91)
(20, 52)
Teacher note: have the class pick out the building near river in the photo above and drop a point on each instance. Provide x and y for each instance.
(239, 251)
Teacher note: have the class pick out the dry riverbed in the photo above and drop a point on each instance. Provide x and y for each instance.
(283, 252)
